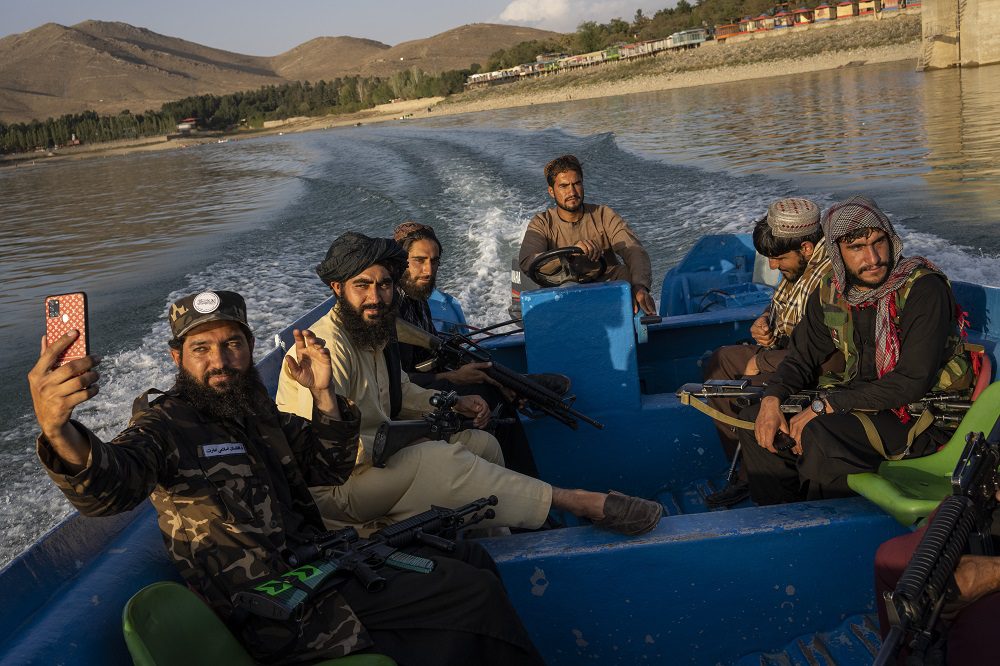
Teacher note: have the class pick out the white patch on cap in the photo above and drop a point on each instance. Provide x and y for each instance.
(206, 301)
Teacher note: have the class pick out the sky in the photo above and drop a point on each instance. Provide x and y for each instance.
(261, 28)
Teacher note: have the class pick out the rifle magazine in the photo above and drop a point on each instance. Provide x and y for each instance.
(408, 562)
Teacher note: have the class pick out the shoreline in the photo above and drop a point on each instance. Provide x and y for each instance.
(690, 79)
(520, 94)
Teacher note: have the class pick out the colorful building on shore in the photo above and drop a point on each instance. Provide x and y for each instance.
(847, 9)
(825, 13)
(724, 32)
(803, 16)
(784, 19)
(866, 7)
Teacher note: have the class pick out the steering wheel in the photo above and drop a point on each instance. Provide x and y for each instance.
(568, 271)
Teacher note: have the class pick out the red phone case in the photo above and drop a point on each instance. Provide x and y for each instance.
(68, 313)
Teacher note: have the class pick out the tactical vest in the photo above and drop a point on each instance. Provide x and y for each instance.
(956, 374)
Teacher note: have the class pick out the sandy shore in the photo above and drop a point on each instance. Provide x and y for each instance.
(858, 44)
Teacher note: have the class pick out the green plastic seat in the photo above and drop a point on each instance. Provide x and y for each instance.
(166, 623)
(909, 490)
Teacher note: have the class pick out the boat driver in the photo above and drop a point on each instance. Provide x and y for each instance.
(596, 230)
(359, 332)
(229, 477)
(895, 320)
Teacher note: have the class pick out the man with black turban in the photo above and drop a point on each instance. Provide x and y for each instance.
(362, 273)
(895, 320)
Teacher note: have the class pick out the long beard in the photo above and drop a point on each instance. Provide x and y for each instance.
(241, 398)
(371, 334)
(418, 291)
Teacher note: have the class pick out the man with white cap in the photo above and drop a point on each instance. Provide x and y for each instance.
(895, 320)
(791, 238)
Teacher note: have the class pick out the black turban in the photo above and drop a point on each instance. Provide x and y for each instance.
(352, 253)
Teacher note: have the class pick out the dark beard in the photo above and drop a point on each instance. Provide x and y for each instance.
(239, 400)
(854, 280)
(416, 290)
(799, 270)
(574, 209)
(368, 334)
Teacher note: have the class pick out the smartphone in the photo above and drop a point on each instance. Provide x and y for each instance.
(64, 313)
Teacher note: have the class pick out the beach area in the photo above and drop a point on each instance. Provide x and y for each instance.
(854, 43)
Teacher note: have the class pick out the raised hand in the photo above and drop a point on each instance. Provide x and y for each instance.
(312, 369)
(56, 391)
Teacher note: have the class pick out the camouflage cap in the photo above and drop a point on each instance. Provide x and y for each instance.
(196, 309)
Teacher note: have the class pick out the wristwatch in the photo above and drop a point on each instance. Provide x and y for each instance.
(819, 405)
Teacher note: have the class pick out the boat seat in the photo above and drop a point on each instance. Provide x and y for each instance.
(910, 489)
(165, 623)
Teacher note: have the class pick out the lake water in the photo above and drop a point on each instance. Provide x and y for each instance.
(256, 216)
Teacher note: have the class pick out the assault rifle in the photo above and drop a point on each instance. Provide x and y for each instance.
(745, 394)
(453, 351)
(948, 407)
(442, 423)
(961, 524)
(331, 556)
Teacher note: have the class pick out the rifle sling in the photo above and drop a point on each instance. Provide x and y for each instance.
(713, 413)
(923, 422)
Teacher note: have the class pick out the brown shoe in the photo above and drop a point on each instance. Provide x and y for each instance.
(629, 515)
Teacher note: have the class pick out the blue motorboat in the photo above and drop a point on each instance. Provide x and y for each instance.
(752, 585)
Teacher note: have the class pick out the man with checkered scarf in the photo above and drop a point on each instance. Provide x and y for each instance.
(895, 320)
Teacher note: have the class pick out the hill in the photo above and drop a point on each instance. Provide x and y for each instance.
(327, 58)
(109, 66)
(454, 49)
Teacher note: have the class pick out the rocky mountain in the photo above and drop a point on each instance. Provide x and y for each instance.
(110, 66)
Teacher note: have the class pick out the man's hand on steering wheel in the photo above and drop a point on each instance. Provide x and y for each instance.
(560, 268)
(591, 250)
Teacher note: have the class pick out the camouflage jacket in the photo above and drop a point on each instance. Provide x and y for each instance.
(229, 495)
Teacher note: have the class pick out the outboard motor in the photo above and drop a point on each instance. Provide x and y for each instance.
(519, 282)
